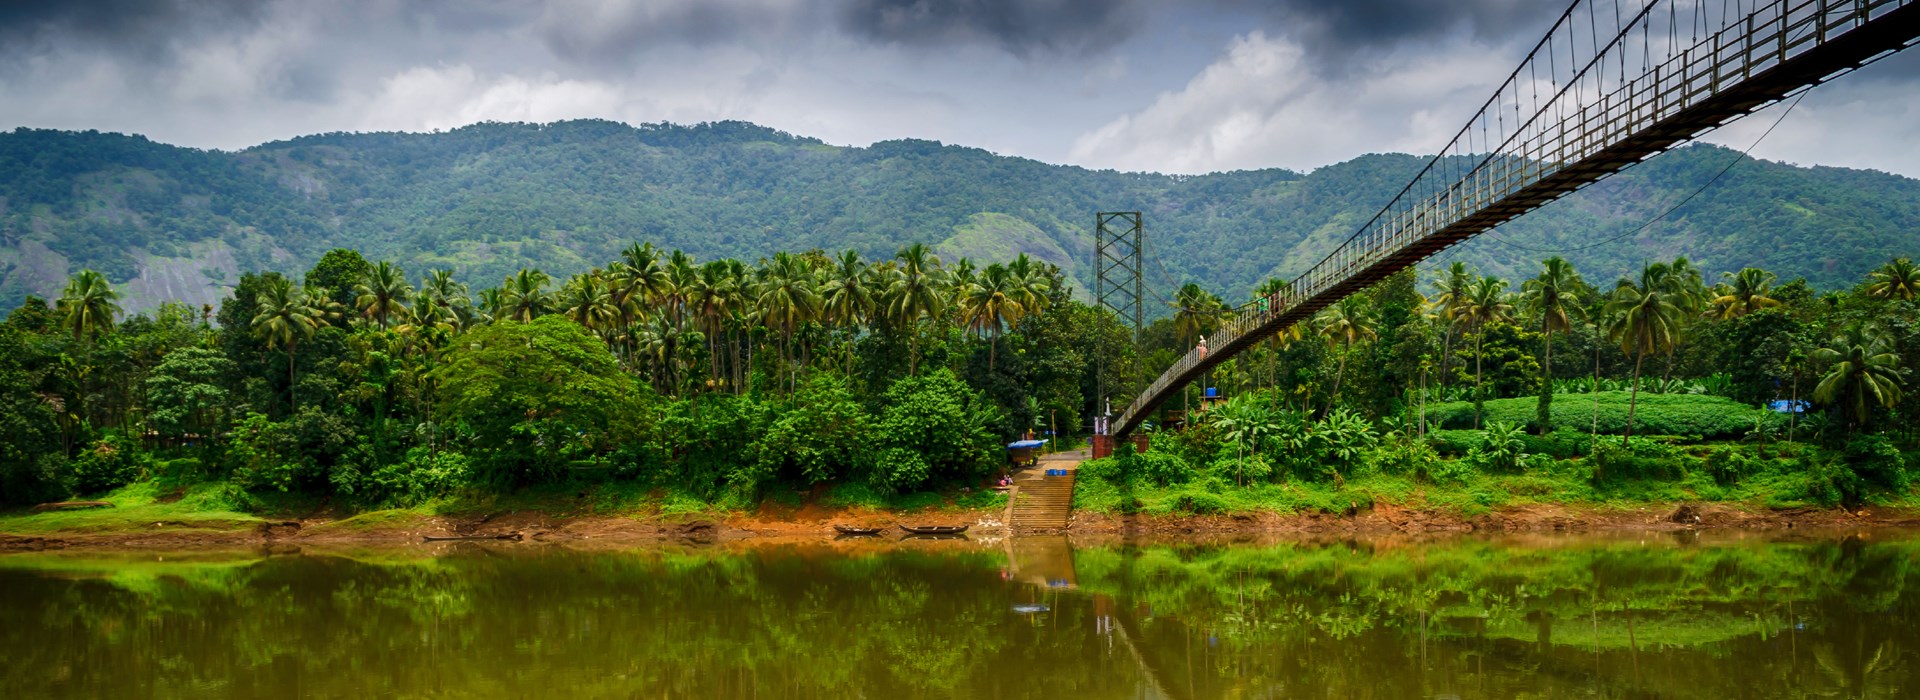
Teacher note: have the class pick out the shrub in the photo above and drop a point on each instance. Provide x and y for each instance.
(1162, 468)
(1875, 459)
(421, 476)
(1657, 414)
(108, 464)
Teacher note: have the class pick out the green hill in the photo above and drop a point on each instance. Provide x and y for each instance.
(170, 222)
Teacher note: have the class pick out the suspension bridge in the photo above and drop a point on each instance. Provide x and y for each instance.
(1614, 82)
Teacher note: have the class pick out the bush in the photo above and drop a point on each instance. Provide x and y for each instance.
(107, 465)
(1876, 460)
(422, 476)
(1657, 414)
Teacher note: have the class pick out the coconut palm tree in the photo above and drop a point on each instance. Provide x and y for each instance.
(991, 304)
(1196, 314)
(1898, 279)
(525, 295)
(382, 293)
(1033, 284)
(1451, 298)
(586, 301)
(712, 298)
(1487, 303)
(1269, 292)
(283, 317)
(1865, 371)
(1344, 324)
(645, 274)
(846, 294)
(1744, 292)
(788, 298)
(87, 307)
(916, 290)
(440, 289)
(1645, 317)
(1553, 295)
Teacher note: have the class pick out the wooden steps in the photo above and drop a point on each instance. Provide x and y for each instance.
(1043, 503)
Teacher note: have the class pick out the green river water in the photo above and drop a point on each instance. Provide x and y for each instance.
(1654, 616)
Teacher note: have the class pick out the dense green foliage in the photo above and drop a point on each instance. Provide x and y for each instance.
(488, 199)
(711, 383)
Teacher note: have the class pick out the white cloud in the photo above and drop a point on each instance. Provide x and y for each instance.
(1263, 105)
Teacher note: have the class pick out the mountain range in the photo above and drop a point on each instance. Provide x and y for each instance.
(168, 222)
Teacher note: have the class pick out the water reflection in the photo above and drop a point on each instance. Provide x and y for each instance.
(1015, 619)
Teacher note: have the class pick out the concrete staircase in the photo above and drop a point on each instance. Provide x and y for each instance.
(1043, 502)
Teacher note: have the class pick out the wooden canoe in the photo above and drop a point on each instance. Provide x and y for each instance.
(934, 529)
(457, 538)
(857, 531)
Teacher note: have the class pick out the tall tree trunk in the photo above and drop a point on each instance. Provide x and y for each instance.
(293, 405)
(1543, 414)
(1479, 380)
(1340, 372)
(1594, 389)
(1633, 398)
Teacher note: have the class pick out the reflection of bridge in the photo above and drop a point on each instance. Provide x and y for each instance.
(1611, 84)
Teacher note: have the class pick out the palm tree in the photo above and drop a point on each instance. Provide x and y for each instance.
(586, 301)
(712, 297)
(845, 294)
(87, 307)
(1268, 293)
(441, 290)
(1198, 313)
(788, 298)
(682, 277)
(915, 291)
(1898, 279)
(1745, 292)
(525, 296)
(1032, 283)
(1487, 303)
(1645, 318)
(990, 304)
(382, 293)
(960, 276)
(1344, 324)
(283, 318)
(1865, 371)
(1554, 295)
(1454, 288)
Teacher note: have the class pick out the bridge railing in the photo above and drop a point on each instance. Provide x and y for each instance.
(1608, 86)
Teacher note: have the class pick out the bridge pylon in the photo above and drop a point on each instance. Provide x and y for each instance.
(1119, 252)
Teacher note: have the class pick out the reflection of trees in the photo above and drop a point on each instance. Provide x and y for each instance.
(1467, 618)
(1411, 622)
(776, 623)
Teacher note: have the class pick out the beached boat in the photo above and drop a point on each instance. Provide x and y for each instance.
(934, 529)
(857, 531)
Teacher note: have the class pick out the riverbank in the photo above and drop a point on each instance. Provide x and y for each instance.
(107, 529)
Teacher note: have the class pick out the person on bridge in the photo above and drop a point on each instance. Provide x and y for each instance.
(1202, 348)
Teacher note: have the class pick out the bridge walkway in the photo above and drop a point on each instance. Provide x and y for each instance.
(1045, 503)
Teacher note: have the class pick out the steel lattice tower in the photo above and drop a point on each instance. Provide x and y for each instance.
(1117, 256)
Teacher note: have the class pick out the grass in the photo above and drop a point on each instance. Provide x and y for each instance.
(139, 508)
(216, 506)
(1776, 483)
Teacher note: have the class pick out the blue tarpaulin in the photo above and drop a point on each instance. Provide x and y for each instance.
(1788, 406)
(1025, 443)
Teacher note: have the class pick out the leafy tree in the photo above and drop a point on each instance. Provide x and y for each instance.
(932, 428)
(819, 438)
(29, 436)
(186, 396)
(338, 272)
(529, 391)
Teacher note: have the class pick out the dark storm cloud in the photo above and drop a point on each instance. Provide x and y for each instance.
(1339, 29)
(1020, 27)
(146, 28)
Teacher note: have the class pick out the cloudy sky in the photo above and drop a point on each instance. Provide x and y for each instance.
(1190, 86)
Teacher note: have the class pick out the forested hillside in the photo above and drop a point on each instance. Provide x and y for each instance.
(175, 223)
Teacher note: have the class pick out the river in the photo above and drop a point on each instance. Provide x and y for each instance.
(1640, 615)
